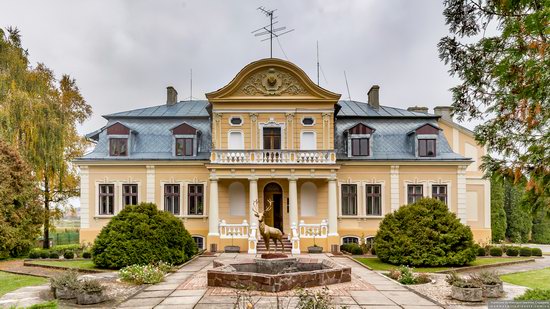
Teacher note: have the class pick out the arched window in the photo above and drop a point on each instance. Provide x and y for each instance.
(308, 199)
(237, 199)
(350, 240)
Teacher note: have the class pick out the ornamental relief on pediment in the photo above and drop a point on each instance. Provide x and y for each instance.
(271, 83)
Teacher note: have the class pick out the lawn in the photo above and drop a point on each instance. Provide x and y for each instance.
(82, 264)
(11, 282)
(376, 264)
(533, 279)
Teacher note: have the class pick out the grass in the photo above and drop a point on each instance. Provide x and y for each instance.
(81, 264)
(535, 279)
(376, 264)
(11, 282)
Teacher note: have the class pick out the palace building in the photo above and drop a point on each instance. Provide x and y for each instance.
(332, 168)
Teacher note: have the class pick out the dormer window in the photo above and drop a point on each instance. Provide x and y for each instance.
(185, 140)
(118, 147)
(426, 147)
(119, 140)
(358, 141)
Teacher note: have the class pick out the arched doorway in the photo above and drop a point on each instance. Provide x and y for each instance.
(274, 217)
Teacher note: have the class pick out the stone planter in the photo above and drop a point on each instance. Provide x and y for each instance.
(467, 294)
(65, 293)
(493, 291)
(314, 249)
(89, 298)
(232, 249)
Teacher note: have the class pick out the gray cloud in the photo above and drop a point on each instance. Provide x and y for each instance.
(124, 53)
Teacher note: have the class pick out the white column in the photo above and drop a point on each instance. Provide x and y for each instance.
(84, 197)
(150, 184)
(461, 194)
(293, 201)
(213, 214)
(332, 208)
(394, 187)
(253, 196)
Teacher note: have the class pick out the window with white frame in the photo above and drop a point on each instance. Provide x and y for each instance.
(129, 194)
(350, 240)
(199, 240)
(106, 199)
(307, 141)
(184, 147)
(172, 198)
(374, 200)
(439, 192)
(360, 146)
(118, 147)
(349, 199)
(414, 193)
(236, 141)
(195, 198)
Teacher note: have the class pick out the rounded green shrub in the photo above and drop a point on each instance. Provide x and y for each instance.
(86, 254)
(536, 252)
(424, 234)
(495, 251)
(44, 254)
(525, 251)
(54, 255)
(512, 251)
(481, 251)
(34, 254)
(142, 234)
(69, 254)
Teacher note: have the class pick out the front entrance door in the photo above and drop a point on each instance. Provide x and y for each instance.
(274, 217)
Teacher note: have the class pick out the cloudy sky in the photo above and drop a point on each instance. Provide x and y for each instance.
(123, 54)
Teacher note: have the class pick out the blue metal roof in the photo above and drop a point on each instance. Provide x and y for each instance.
(362, 109)
(195, 108)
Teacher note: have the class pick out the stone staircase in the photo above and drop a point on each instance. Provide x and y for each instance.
(262, 249)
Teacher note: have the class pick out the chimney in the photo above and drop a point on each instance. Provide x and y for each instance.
(444, 111)
(374, 100)
(418, 109)
(171, 95)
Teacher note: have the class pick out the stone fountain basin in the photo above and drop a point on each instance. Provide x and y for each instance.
(275, 275)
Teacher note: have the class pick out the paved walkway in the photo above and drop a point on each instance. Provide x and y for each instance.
(539, 263)
(24, 297)
(187, 288)
(16, 266)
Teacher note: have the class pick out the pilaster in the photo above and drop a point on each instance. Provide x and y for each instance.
(461, 194)
(150, 198)
(84, 197)
(394, 187)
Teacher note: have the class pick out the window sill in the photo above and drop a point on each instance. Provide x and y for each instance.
(361, 217)
(193, 216)
(103, 216)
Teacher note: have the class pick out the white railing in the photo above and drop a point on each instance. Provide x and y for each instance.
(233, 230)
(253, 239)
(273, 156)
(313, 230)
(295, 239)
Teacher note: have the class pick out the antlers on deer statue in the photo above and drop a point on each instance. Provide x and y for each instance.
(266, 231)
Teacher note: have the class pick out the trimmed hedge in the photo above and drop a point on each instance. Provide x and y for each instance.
(142, 234)
(54, 255)
(525, 251)
(352, 248)
(512, 251)
(480, 250)
(495, 251)
(425, 233)
(87, 255)
(536, 252)
(34, 254)
(69, 254)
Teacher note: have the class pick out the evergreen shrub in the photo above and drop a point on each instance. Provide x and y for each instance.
(536, 252)
(86, 254)
(512, 251)
(54, 255)
(425, 233)
(142, 234)
(69, 254)
(495, 251)
(525, 251)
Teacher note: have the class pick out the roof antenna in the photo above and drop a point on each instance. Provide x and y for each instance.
(268, 29)
(347, 86)
(317, 63)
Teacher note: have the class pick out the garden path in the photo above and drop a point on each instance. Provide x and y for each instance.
(16, 266)
(539, 263)
(24, 297)
(187, 288)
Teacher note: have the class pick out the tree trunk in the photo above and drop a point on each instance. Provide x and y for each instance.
(46, 242)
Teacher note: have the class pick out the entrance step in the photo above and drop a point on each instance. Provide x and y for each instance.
(261, 248)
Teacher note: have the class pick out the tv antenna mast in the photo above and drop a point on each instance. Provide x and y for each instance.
(268, 29)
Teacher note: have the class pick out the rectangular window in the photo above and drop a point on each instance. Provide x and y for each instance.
(184, 147)
(414, 193)
(374, 202)
(272, 138)
(439, 192)
(359, 146)
(426, 147)
(196, 199)
(236, 141)
(172, 199)
(308, 141)
(106, 199)
(118, 147)
(349, 200)
(129, 194)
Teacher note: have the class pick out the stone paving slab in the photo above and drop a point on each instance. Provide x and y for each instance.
(162, 286)
(406, 298)
(370, 298)
(181, 300)
(152, 294)
(143, 302)
(188, 292)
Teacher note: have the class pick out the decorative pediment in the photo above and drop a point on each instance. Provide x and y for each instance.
(118, 128)
(271, 79)
(184, 128)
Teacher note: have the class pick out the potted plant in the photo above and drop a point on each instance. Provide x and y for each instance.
(232, 248)
(462, 289)
(90, 292)
(315, 248)
(65, 285)
(490, 283)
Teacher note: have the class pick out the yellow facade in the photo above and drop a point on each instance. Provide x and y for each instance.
(306, 183)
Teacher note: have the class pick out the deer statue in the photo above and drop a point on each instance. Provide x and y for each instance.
(266, 231)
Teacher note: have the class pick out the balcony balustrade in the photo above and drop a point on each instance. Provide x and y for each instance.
(273, 156)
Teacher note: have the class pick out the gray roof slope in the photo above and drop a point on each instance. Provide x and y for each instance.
(195, 108)
(362, 109)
